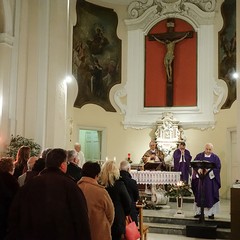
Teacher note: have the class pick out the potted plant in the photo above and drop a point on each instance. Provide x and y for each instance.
(18, 141)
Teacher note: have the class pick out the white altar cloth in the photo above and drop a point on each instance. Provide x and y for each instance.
(155, 177)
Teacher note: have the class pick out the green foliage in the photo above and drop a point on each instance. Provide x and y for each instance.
(18, 141)
(178, 190)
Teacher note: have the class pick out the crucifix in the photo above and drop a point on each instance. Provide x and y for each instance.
(169, 39)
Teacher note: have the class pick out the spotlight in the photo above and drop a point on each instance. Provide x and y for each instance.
(235, 75)
(68, 79)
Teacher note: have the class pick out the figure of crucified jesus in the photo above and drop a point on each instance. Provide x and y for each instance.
(169, 56)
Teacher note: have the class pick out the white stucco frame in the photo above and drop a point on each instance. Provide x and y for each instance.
(201, 116)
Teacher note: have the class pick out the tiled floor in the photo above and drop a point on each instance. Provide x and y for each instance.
(155, 236)
(170, 210)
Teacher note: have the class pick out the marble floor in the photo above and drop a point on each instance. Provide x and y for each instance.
(170, 210)
(155, 236)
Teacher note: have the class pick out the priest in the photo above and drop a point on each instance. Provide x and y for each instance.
(211, 183)
(154, 157)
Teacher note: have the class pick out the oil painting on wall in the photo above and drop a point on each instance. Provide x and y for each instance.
(227, 50)
(96, 54)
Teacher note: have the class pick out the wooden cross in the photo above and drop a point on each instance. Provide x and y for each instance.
(170, 38)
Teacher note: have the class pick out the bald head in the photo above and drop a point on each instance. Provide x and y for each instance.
(31, 161)
(152, 145)
(77, 147)
(208, 149)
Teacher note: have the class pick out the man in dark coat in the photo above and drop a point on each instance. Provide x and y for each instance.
(131, 186)
(50, 206)
(73, 170)
(8, 188)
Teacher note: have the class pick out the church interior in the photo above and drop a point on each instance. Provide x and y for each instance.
(70, 66)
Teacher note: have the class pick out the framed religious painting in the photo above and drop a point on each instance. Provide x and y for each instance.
(227, 50)
(96, 58)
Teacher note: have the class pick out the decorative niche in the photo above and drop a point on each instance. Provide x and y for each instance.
(143, 15)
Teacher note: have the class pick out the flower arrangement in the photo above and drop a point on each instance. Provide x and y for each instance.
(178, 190)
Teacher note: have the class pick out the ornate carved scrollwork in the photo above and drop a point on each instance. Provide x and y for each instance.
(220, 93)
(137, 8)
(168, 135)
(117, 98)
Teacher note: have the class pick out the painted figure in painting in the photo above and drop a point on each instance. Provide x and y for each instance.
(96, 54)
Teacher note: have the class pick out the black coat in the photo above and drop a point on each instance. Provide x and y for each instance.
(19, 170)
(50, 206)
(122, 205)
(132, 189)
(8, 188)
(74, 171)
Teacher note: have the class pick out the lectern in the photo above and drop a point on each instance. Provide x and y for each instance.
(152, 165)
(202, 230)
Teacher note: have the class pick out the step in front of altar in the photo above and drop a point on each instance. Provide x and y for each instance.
(148, 197)
(177, 226)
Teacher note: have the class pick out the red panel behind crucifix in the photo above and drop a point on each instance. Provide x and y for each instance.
(184, 68)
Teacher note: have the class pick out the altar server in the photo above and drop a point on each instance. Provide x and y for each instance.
(182, 158)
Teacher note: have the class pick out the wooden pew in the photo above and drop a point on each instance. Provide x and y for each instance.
(143, 228)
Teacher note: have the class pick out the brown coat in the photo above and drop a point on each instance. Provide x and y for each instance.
(100, 208)
(49, 206)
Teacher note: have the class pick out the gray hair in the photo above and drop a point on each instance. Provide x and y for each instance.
(71, 155)
(209, 145)
(125, 165)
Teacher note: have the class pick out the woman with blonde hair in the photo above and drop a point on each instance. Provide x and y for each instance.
(110, 178)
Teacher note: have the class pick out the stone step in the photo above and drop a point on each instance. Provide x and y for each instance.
(180, 229)
(185, 221)
(165, 228)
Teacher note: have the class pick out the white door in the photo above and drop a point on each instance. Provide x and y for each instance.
(234, 165)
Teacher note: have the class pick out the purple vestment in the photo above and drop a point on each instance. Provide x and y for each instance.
(211, 183)
(182, 164)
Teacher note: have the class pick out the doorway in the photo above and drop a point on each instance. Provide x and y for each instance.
(233, 163)
(93, 143)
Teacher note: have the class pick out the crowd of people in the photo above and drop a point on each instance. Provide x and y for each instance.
(51, 197)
